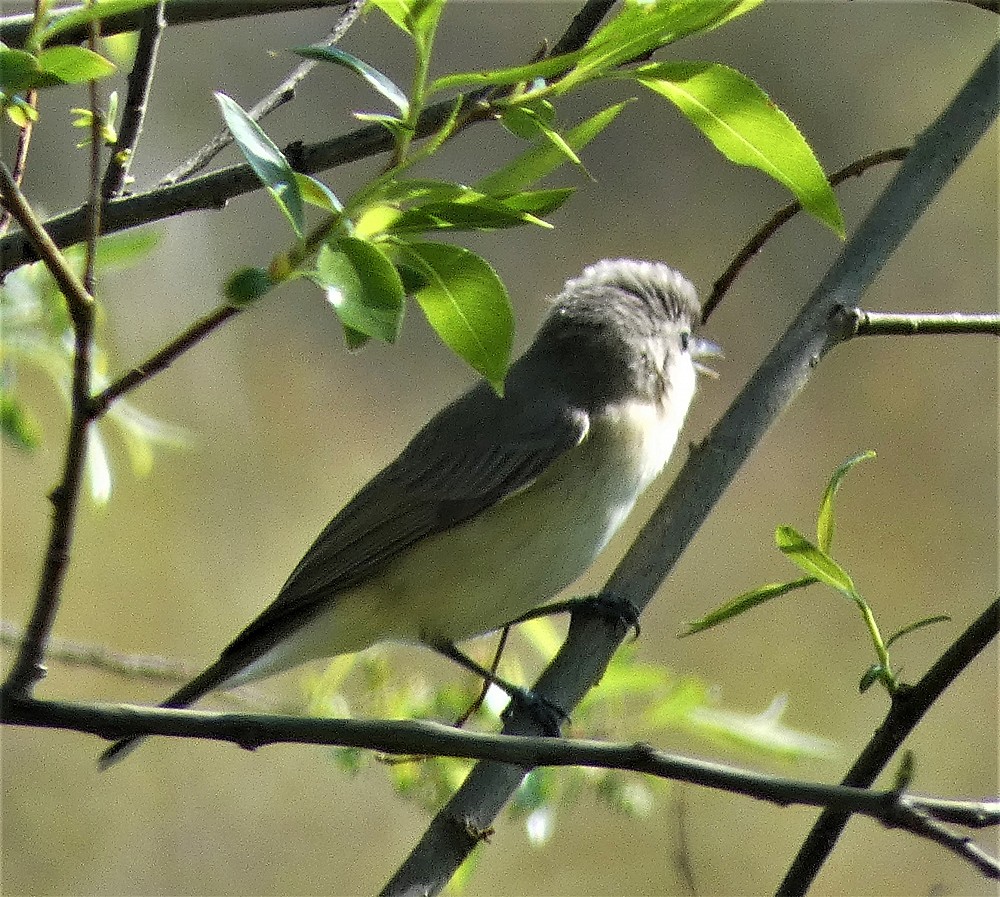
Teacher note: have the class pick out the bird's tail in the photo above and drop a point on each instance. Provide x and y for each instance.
(201, 685)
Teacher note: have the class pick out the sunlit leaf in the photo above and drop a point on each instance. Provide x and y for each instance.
(641, 27)
(316, 193)
(745, 602)
(86, 14)
(825, 521)
(381, 82)
(265, 159)
(466, 304)
(746, 127)
(73, 65)
(545, 158)
(813, 561)
(363, 287)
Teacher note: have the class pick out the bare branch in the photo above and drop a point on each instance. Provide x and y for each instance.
(413, 738)
(14, 29)
(162, 359)
(876, 323)
(907, 709)
(28, 668)
(140, 82)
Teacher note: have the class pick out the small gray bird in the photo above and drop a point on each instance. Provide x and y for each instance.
(498, 503)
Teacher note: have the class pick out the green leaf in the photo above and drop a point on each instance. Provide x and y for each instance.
(913, 627)
(541, 160)
(17, 424)
(466, 303)
(316, 193)
(82, 16)
(73, 65)
(482, 213)
(746, 127)
(266, 160)
(416, 190)
(825, 522)
(745, 602)
(814, 562)
(363, 287)
(397, 10)
(646, 25)
(19, 71)
(546, 68)
(528, 120)
(382, 83)
(19, 111)
(539, 202)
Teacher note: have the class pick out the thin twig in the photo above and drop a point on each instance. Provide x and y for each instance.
(140, 82)
(783, 216)
(20, 155)
(907, 709)
(281, 94)
(877, 323)
(14, 29)
(28, 668)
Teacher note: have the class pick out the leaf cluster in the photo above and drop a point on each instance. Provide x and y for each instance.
(816, 561)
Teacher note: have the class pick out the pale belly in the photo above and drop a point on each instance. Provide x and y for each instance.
(480, 575)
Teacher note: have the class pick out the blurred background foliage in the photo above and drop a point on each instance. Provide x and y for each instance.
(284, 425)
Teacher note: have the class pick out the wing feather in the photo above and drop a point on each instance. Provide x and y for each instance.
(472, 454)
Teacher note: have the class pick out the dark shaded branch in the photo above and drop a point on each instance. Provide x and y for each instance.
(712, 466)
(20, 155)
(140, 82)
(908, 707)
(213, 191)
(877, 323)
(411, 738)
(14, 29)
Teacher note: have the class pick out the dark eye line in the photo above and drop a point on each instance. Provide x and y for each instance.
(685, 340)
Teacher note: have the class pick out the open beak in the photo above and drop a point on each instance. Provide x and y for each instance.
(703, 348)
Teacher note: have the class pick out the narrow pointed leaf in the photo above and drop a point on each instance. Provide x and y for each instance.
(382, 83)
(267, 161)
(545, 158)
(642, 27)
(316, 193)
(913, 627)
(745, 602)
(814, 562)
(746, 127)
(466, 303)
(825, 521)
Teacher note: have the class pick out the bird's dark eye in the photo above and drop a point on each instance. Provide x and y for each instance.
(685, 340)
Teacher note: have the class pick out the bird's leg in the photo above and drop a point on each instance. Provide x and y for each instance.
(494, 666)
(547, 714)
(611, 608)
